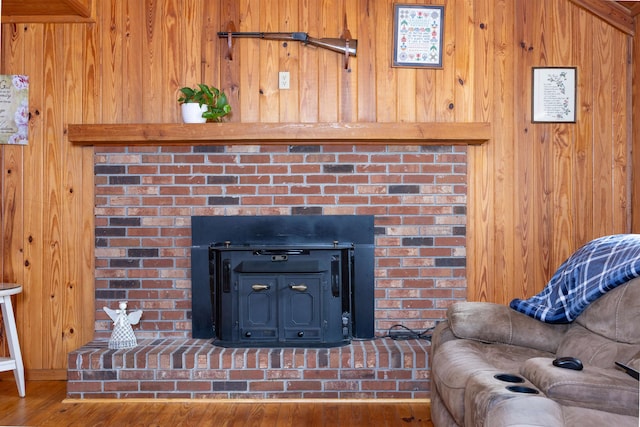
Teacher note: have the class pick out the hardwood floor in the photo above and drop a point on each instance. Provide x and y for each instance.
(45, 405)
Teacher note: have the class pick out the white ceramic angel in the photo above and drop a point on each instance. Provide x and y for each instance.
(122, 335)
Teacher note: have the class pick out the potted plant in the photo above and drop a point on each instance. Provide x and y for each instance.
(203, 103)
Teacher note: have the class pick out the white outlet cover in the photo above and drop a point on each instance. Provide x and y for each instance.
(283, 80)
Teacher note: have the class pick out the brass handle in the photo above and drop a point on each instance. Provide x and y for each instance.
(259, 287)
(300, 288)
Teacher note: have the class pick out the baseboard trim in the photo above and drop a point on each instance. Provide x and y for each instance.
(249, 401)
(46, 374)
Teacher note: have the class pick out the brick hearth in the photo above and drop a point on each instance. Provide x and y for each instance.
(191, 368)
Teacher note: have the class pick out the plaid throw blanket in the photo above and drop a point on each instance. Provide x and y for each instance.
(589, 273)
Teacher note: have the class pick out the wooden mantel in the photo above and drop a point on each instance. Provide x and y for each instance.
(280, 133)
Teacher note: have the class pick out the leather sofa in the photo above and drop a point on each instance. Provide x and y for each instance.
(493, 366)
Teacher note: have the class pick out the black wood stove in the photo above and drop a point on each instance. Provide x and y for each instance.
(301, 281)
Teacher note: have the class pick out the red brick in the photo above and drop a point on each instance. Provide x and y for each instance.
(173, 374)
(353, 200)
(157, 385)
(135, 374)
(357, 374)
(121, 385)
(321, 200)
(193, 385)
(266, 386)
(304, 385)
(273, 169)
(380, 385)
(395, 374)
(414, 385)
(320, 374)
(353, 179)
(255, 179)
(321, 395)
(212, 374)
(172, 395)
(283, 374)
(84, 386)
(341, 385)
(246, 374)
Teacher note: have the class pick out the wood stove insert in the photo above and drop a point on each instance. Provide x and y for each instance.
(274, 281)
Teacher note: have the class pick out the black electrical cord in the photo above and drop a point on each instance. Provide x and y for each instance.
(404, 334)
(407, 334)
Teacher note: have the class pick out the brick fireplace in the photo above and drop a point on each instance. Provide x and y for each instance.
(145, 197)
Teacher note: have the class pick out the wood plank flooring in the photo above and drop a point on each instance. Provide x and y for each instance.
(45, 405)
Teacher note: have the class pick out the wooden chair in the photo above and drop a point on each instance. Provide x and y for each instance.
(14, 362)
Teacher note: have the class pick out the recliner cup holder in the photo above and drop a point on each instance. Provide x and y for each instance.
(522, 389)
(509, 378)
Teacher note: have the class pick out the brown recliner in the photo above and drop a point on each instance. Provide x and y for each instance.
(493, 366)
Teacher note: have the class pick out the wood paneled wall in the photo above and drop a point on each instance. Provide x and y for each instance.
(537, 191)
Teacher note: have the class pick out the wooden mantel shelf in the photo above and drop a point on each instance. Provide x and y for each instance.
(280, 133)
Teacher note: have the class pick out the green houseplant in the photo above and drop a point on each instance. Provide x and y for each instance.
(210, 102)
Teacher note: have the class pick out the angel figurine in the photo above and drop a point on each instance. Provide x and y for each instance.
(122, 335)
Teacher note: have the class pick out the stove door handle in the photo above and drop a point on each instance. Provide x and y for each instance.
(260, 287)
(300, 288)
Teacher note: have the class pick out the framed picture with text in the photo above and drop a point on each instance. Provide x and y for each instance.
(14, 109)
(417, 35)
(553, 95)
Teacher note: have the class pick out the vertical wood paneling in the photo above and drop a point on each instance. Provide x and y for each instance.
(328, 64)
(191, 46)
(52, 256)
(308, 86)
(91, 88)
(348, 111)
(32, 321)
(480, 230)
(111, 79)
(542, 156)
(445, 102)
(583, 148)
(407, 80)
(152, 56)
(386, 83)
(536, 191)
(603, 130)
(171, 32)
(211, 49)
(524, 147)
(269, 58)
(250, 73)
(501, 152)
(230, 70)
(621, 121)
(366, 61)
(72, 294)
(563, 138)
(134, 104)
(635, 132)
(465, 25)
(288, 61)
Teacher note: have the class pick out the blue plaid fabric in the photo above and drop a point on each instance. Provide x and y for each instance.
(589, 273)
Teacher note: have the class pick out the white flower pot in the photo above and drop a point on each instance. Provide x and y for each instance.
(192, 112)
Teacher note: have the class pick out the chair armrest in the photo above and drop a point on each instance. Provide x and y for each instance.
(610, 390)
(494, 323)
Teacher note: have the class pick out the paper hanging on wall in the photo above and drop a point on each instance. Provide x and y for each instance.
(14, 109)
